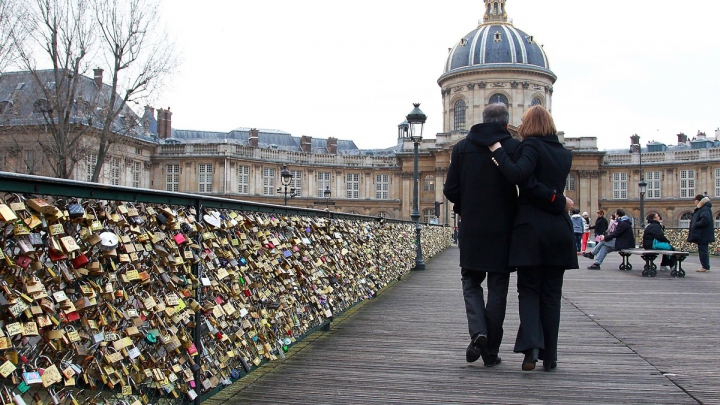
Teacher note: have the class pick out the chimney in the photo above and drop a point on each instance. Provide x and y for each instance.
(149, 110)
(635, 140)
(168, 123)
(253, 138)
(332, 146)
(306, 144)
(701, 135)
(98, 77)
(682, 138)
(164, 123)
(717, 134)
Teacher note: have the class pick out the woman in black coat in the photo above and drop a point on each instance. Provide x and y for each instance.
(654, 231)
(702, 231)
(542, 243)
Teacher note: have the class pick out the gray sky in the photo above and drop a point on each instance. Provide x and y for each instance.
(352, 69)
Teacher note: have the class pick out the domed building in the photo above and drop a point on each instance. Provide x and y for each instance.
(495, 62)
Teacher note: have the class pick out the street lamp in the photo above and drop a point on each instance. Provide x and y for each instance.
(642, 185)
(286, 179)
(327, 194)
(416, 122)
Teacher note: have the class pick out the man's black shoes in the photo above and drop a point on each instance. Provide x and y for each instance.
(474, 349)
(491, 360)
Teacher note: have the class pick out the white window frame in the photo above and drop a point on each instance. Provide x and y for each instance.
(172, 178)
(717, 182)
(429, 183)
(620, 181)
(352, 185)
(90, 163)
(382, 186)
(296, 182)
(685, 222)
(323, 183)
(136, 174)
(570, 182)
(205, 177)
(428, 214)
(654, 185)
(268, 181)
(115, 171)
(243, 175)
(687, 183)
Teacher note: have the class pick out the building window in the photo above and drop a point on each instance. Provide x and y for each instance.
(717, 221)
(620, 186)
(296, 182)
(687, 183)
(382, 186)
(32, 162)
(243, 179)
(136, 173)
(570, 182)
(172, 177)
(268, 181)
(498, 98)
(653, 184)
(90, 163)
(536, 101)
(459, 115)
(323, 182)
(685, 220)
(205, 175)
(717, 182)
(352, 185)
(115, 171)
(429, 183)
(428, 215)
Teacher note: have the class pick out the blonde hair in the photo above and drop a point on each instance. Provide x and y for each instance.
(537, 121)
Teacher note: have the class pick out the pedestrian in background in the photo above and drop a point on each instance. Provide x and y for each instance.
(702, 230)
(586, 231)
(578, 228)
(601, 225)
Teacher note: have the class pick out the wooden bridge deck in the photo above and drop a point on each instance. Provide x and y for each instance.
(624, 339)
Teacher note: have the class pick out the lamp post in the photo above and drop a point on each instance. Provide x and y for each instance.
(327, 194)
(642, 185)
(286, 179)
(416, 121)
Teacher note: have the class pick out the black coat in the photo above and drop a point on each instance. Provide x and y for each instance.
(653, 231)
(623, 235)
(601, 226)
(540, 237)
(701, 225)
(484, 198)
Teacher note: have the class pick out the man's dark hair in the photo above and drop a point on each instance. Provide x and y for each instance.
(496, 114)
(620, 213)
(575, 211)
(699, 197)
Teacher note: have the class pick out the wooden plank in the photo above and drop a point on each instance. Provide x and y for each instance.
(624, 339)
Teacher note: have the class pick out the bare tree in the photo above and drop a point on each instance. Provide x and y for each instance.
(140, 58)
(58, 32)
(11, 14)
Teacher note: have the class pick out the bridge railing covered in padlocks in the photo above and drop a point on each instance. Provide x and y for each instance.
(120, 295)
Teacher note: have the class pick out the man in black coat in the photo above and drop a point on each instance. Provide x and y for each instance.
(486, 200)
(702, 230)
(487, 203)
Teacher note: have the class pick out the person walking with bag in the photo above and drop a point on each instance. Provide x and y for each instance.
(543, 244)
(702, 230)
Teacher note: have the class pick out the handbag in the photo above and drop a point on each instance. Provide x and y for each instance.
(657, 245)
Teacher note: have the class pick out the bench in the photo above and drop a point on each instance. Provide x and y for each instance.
(650, 269)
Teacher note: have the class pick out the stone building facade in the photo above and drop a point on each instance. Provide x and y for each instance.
(495, 62)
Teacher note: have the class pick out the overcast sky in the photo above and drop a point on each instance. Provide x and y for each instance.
(352, 69)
